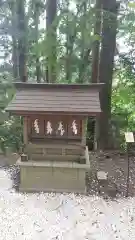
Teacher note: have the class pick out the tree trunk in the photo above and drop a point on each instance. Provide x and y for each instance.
(22, 49)
(108, 45)
(15, 59)
(12, 6)
(68, 47)
(51, 12)
(83, 57)
(36, 20)
(96, 44)
(93, 124)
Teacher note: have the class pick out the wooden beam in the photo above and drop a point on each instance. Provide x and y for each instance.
(84, 124)
(25, 130)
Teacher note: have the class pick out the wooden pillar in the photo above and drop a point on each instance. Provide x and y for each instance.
(25, 130)
(96, 133)
(84, 124)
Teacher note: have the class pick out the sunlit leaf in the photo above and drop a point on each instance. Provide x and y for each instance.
(131, 4)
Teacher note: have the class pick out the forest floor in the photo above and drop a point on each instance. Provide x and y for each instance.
(69, 216)
(115, 163)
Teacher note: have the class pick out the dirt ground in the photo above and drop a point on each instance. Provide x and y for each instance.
(114, 163)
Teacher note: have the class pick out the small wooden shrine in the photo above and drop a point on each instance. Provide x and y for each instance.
(54, 132)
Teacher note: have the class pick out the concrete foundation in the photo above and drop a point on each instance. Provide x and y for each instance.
(53, 176)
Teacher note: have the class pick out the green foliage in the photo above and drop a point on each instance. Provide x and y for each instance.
(10, 127)
(73, 43)
(11, 134)
(131, 4)
(123, 97)
(75, 26)
(123, 100)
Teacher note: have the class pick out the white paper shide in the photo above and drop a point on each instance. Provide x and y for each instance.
(74, 127)
(61, 128)
(36, 126)
(49, 128)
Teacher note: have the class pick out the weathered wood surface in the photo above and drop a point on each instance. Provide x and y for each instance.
(56, 98)
(25, 130)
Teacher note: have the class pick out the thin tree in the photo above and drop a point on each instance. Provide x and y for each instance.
(51, 12)
(22, 43)
(12, 6)
(96, 43)
(68, 47)
(36, 23)
(83, 62)
(92, 123)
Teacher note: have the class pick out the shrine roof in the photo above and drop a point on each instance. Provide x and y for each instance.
(55, 98)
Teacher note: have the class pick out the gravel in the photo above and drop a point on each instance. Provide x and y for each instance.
(63, 216)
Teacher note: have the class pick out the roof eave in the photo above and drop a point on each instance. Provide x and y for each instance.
(29, 113)
(21, 85)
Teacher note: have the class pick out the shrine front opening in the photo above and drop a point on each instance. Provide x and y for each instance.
(43, 128)
(55, 137)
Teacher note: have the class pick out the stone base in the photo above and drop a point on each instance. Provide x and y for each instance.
(52, 176)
